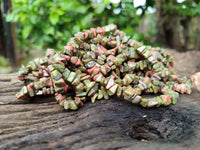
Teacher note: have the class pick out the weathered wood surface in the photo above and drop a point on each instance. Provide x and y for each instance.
(107, 124)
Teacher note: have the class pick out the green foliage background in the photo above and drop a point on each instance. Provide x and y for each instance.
(50, 23)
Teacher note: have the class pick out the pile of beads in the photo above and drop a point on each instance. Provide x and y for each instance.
(102, 62)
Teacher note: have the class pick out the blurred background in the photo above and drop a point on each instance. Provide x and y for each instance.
(29, 27)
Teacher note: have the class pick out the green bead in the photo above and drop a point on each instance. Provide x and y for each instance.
(160, 101)
(59, 83)
(127, 79)
(52, 90)
(20, 93)
(125, 39)
(76, 80)
(57, 99)
(147, 54)
(59, 67)
(93, 47)
(144, 102)
(90, 64)
(66, 104)
(88, 85)
(129, 91)
(71, 77)
(131, 65)
(126, 67)
(109, 93)
(62, 103)
(60, 90)
(113, 89)
(127, 97)
(141, 65)
(113, 67)
(110, 83)
(99, 78)
(119, 91)
(100, 94)
(93, 90)
(105, 95)
(31, 92)
(103, 69)
(72, 105)
(78, 41)
(136, 99)
(79, 87)
(51, 68)
(32, 66)
(132, 52)
(67, 52)
(94, 98)
(81, 94)
(100, 61)
(44, 91)
(156, 82)
(152, 102)
(170, 59)
(56, 75)
(40, 85)
(119, 81)
(141, 49)
(155, 89)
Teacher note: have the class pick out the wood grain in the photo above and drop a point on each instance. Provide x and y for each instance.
(40, 123)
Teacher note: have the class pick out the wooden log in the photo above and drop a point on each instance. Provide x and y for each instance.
(40, 123)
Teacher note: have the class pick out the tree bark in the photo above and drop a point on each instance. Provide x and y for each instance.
(2, 36)
(197, 35)
(9, 36)
(168, 25)
(185, 23)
